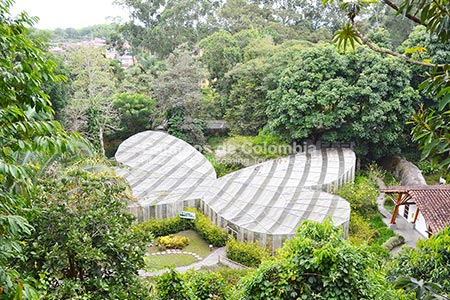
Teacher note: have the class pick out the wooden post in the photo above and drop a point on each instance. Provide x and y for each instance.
(416, 216)
(394, 215)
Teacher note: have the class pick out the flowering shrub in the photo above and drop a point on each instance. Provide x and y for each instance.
(171, 242)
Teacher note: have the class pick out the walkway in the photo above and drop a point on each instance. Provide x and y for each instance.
(401, 227)
(216, 257)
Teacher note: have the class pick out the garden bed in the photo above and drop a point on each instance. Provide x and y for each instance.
(196, 245)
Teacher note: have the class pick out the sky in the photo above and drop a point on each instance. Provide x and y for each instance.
(69, 13)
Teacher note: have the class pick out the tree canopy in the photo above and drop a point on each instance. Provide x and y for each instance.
(317, 264)
(26, 125)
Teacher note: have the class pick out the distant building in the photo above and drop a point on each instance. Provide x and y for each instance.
(126, 60)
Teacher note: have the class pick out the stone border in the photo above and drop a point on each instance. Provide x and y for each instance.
(174, 251)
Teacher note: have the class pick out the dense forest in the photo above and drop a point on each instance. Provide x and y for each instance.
(277, 72)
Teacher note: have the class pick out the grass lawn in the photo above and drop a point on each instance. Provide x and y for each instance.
(165, 261)
(196, 245)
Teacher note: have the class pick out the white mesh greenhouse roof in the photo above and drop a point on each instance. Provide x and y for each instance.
(258, 202)
(163, 169)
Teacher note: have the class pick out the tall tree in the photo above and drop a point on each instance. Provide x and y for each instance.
(83, 246)
(431, 129)
(26, 124)
(90, 108)
(326, 95)
(161, 26)
(178, 92)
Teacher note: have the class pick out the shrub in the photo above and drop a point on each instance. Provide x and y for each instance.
(162, 227)
(206, 285)
(393, 242)
(428, 167)
(232, 276)
(429, 262)
(361, 194)
(204, 227)
(170, 285)
(317, 264)
(248, 254)
(171, 242)
(360, 231)
(210, 232)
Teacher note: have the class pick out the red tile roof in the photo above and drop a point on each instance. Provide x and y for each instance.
(432, 200)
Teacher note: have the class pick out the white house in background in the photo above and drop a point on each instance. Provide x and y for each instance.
(427, 207)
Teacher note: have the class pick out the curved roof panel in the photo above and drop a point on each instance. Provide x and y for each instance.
(272, 197)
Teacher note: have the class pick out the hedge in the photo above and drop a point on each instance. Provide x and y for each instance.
(163, 227)
(209, 231)
(247, 254)
(202, 225)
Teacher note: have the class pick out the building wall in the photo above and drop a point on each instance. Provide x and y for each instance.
(420, 225)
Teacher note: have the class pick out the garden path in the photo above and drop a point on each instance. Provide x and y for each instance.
(402, 227)
(217, 256)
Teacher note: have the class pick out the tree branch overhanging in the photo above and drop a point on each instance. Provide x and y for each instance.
(390, 52)
(409, 16)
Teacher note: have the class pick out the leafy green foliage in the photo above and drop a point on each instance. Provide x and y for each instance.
(192, 286)
(26, 125)
(317, 264)
(247, 254)
(186, 128)
(162, 227)
(420, 289)
(202, 225)
(249, 82)
(82, 244)
(137, 113)
(209, 231)
(427, 167)
(90, 110)
(178, 92)
(432, 133)
(344, 98)
(206, 285)
(429, 262)
(435, 14)
(171, 286)
(345, 36)
(221, 53)
(171, 242)
(430, 129)
(161, 26)
(361, 194)
(360, 231)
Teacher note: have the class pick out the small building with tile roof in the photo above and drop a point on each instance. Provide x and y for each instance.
(427, 207)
